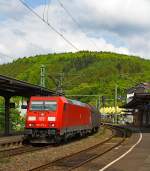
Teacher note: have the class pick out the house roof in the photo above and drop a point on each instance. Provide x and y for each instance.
(139, 99)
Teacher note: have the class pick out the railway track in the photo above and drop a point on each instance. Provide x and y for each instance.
(17, 150)
(76, 160)
(20, 151)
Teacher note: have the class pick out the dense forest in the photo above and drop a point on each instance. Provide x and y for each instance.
(84, 72)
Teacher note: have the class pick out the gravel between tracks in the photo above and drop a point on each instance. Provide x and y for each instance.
(30, 160)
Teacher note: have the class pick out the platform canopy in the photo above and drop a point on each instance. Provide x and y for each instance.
(12, 87)
(139, 99)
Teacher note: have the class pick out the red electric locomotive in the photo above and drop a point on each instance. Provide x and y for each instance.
(51, 119)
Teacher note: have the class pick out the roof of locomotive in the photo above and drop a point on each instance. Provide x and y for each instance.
(76, 102)
(62, 98)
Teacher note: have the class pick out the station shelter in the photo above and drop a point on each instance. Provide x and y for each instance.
(140, 106)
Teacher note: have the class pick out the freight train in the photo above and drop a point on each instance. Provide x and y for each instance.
(53, 119)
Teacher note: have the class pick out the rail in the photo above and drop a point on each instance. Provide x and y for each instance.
(78, 159)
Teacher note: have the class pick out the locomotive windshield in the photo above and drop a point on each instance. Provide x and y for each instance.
(43, 105)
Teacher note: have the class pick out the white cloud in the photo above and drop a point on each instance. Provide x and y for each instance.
(11, 8)
(114, 13)
(116, 25)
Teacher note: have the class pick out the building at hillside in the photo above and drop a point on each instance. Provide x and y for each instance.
(140, 88)
(138, 100)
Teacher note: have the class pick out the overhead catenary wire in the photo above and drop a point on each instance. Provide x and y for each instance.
(67, 11)
(48, 10)
(49, 25)
(75, 21)
(44, 9)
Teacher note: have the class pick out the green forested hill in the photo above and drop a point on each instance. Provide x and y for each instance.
(84, 72)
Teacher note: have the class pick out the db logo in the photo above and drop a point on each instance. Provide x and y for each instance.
(41, 118)
(42, 114)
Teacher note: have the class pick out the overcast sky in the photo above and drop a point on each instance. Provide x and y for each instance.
(121, 26)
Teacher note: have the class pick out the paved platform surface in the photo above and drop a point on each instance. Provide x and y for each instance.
(137, 160)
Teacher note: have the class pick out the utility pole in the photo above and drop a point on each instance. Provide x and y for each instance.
(116, 95)
(98, 103)
(42, 83)
(60, 83)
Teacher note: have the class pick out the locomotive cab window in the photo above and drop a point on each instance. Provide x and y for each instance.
(43, 105)
(50, 105)
(36, 105)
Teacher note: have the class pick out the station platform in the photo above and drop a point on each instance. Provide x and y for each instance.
(132, 155)
(11, 139)
(137, 159)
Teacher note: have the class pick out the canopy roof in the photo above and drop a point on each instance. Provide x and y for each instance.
(139, 99)
(13, 87)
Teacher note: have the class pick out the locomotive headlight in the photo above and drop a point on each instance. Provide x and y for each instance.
(31, 125)
(31, 118)
(53, 125)
(51, 118)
